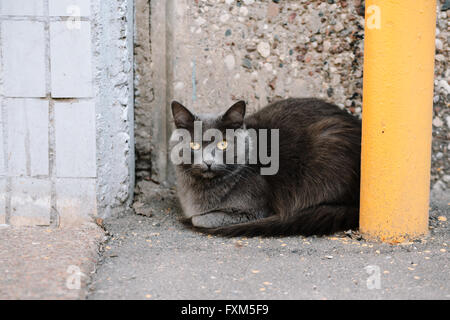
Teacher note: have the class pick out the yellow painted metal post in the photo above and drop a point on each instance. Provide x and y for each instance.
(397, 115)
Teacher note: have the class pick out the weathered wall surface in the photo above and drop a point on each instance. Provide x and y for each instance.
(440, 169)
(66, 123)
(213, 52)
(143, 90)
(113, 23)
(153, 62)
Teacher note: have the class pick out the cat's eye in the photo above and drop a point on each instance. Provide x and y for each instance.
(194, 145)
(222, 145)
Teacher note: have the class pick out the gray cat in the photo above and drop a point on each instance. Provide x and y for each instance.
(314, 192)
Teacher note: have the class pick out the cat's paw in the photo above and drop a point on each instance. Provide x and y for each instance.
(210, 220)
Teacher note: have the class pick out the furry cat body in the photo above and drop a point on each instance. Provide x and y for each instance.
(314, 192)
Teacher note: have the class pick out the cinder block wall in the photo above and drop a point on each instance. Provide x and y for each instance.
(66, 116)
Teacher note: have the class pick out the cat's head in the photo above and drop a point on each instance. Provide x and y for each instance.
(208, 149)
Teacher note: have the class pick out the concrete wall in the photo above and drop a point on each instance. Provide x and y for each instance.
(66, 122)
(440, 168)
(209, 53)
(144, 91)
(154, 61)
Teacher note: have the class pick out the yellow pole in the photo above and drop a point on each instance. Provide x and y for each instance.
(397, 115)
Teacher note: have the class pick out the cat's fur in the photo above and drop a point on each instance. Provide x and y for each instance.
(315, 192)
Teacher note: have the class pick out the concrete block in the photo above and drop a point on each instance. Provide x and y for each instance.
(81, 8)
(76, 200)
(71, 73)
(23, 58)
(17, 135)
(27, 136)
(2, 200)
(30, 201)
(75, 139)
(22, 7)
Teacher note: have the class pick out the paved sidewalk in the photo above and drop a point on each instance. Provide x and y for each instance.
(45, 263)
(153, 256)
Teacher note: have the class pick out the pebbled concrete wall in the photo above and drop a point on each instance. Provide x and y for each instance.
(209, 53)
(66, 121)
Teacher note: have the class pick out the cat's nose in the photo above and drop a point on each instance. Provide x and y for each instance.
(208, 163)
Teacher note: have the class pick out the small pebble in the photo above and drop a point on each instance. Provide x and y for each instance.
(246, 63)
(230, 62)
(263, 49)
(437, 122)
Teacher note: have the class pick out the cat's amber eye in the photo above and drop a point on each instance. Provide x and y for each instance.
(194, 145)
(222, 145)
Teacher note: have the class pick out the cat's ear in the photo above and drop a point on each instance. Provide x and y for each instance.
(182, 116)
(234, 116)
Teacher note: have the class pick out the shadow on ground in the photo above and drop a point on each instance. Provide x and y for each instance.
(151, 255)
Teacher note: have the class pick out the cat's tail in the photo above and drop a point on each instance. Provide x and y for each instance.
(319, 220)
